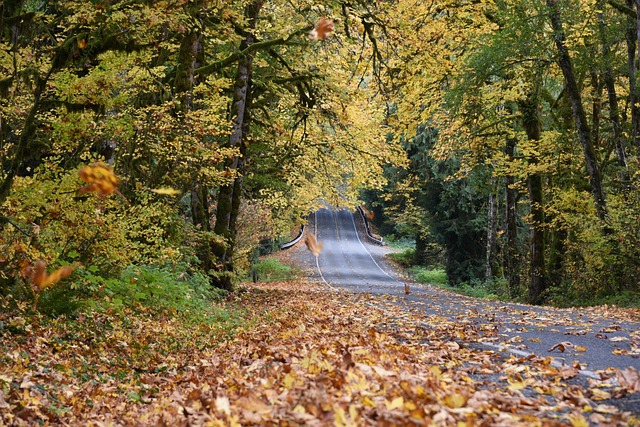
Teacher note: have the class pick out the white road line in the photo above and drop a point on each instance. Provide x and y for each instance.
(315, 231)
(554, 362)
(367, 251)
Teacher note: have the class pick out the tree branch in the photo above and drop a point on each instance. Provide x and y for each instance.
(266, 44)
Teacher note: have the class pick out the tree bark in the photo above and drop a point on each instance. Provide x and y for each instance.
(614, 112)
(530, 110)
(512, 253)
(229, 195)
(579, 115)
(492, 224)
(632, 42)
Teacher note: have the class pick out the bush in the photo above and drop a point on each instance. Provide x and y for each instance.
(160, 290)
(431, 276)
(272, 270)
(404, 258)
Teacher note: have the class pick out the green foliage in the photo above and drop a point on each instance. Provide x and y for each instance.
(52, 222)
(430, 276)
(160, 290)
(272, 270)
(405, 258)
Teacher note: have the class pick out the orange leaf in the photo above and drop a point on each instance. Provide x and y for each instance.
(37, 273)
(313, 245)
(100, 178)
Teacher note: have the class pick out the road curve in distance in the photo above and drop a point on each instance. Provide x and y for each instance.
(345, 261)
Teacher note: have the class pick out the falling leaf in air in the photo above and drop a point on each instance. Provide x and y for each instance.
(407, 289)
(323, 28)
(166, 191)
(37, 273)
(367, 213)
(313, 245)
(99, 178)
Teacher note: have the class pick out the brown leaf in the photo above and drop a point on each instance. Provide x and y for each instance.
(568, 372)
(323, 28)
(347, 360)
(313, 245)
(562, 346)
(407, 289)
(629, 379)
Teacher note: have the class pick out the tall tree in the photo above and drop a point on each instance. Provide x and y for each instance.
(579, 115)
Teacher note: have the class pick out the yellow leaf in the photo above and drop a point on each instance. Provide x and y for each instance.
(289, 381)
(166, 191)
(598, 394)
(577, 420)
(455, 400)
(396, 403)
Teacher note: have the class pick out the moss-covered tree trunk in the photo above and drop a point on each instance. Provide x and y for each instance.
(512, 254)
(530, 111)
(230, 194)
(579, 115)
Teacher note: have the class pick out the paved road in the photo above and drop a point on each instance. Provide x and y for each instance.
(349, 261)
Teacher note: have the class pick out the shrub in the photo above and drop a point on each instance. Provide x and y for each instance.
(404, 258)
(272, 270)
(160, 290)
(431, 276)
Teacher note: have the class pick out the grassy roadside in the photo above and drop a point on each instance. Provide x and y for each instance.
(497, 289)
(289, 353)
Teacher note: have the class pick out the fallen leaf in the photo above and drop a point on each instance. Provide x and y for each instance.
(562, 346)
(629, 379)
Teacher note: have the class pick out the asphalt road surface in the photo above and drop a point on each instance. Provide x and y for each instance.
(349, 261)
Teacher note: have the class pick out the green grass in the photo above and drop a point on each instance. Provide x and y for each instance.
(432, 276)
(272, 270)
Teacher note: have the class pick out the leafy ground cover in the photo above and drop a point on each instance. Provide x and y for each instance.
(294, 353)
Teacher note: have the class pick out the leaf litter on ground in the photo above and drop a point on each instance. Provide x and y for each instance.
(303, 355)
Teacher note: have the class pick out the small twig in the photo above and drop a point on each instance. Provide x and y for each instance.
(7, 219)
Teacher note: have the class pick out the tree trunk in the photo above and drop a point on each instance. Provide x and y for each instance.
(229, 195)
(512, 253)
(492, 224)
(579, 115)
(632, 41)
(531, 123)
(614, 113)
(190, 58)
